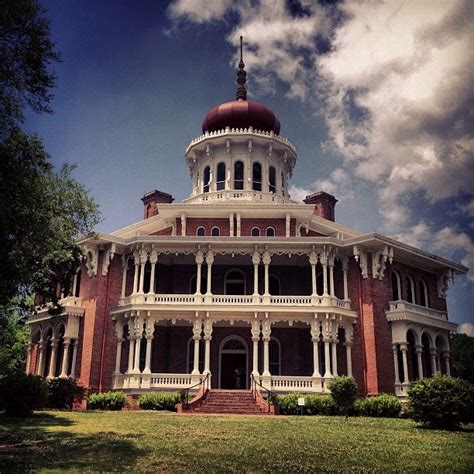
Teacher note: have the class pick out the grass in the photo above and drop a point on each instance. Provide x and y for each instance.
(151, 441)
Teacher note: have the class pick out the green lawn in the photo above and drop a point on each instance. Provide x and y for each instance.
(150, 441)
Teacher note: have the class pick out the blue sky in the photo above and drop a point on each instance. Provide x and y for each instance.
(377, 98)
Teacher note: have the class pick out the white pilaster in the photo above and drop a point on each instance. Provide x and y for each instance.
(183, 224)
(231, 224)
(238, 224)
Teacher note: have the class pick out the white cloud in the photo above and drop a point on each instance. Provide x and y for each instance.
(199, 11)
(466, 328)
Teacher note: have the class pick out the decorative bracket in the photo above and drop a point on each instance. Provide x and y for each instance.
(361, 257)
(92, 260)
(444, 280)
(108, 256)
(379, 260)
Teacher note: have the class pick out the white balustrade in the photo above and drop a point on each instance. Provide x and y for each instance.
(232, 299)
(405, 306)
(287, 383)
(292, 300)
(247, 195)
(170, 380)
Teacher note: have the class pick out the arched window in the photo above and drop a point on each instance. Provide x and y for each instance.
(220, 176)
(207, 178)
(255, 232)
(238, 175)
(257, 177)
(191, 355)
(272, 180)
(77, 289)
(234, 282)
(215, 232)
(423, 291)
(410, 289)
(270, 232)
(396, 286)
(275, 356)
(274, 285)
(200, 232)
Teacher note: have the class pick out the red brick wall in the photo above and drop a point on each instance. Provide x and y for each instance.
(208, 223)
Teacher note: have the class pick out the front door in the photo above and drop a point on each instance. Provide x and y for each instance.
(233, 371)
(233, 364)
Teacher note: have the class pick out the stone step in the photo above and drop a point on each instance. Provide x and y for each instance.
(230, 402)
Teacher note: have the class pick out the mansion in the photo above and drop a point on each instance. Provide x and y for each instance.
(240, 285)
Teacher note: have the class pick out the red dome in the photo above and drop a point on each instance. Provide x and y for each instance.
(241, 114)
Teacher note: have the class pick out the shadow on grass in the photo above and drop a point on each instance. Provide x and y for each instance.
(31, 444)
(452, 429)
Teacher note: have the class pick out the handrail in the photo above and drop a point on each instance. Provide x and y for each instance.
(185, 392)
(270, 395)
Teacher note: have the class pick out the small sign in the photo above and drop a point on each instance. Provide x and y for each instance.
(301, 402)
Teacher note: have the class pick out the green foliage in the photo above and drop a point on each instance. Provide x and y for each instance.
(26, 53)
(383, 405)
(43, 213)
(13, 339)
(107, 401)
(63, 392)
(159, 401)
(462, 352)
(20, 394)
(441, 401)
(314, 405)
(344, 392)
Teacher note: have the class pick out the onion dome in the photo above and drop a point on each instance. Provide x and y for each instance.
(241, 113)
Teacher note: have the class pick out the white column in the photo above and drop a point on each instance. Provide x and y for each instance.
(266, 262)
(395, 364)
(118, 355)
(131, 351)
(231, 224)
(255, 330)
(207, 347)
(447, 362)
(74, 358)
(52, 361)
(199, 259)
(209, 261)
(238, 224)
(183, 224)
(256, 257)
(149, 331)
(197, 329)
(327, 358)
(288, 224)
(331, 275)
(143, 260)
(41, 348)
(433, 359)
(153, 262)
(349, 358)
(124, 274)
(28, 358)
(315, 333)
(345, 265)
(313, 260)
(324, 262)
(419, 360)
(266, 332)
(138, 339)
(67, 342)
(136, 263)
(403, 348)
(334, 357)
(438, 362)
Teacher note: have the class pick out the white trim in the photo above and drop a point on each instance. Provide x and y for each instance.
(246, 352)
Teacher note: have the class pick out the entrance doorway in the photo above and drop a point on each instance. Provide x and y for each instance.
(233, 364)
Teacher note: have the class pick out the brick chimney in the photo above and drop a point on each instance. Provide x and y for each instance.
(324, 204)
(151, 199)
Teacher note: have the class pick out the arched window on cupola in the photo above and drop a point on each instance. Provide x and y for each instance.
(410, 289)
(200, 231)
(255, 232)
(270, 232)
(396, 286)
(272, 180)
(423, 290)
(215, 232)
(257, 177)
(238, 175)
(207, 179)
(220, 176)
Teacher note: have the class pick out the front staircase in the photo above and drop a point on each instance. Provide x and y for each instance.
(240, 402)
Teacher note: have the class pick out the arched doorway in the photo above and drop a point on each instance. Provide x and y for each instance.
(233, 363)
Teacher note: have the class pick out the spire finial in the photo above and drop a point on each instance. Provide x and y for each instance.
(241, 75)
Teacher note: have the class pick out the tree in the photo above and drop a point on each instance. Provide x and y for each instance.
(462, 350)
(26, 53)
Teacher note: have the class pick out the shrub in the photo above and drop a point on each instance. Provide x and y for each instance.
(314, 405)
(441, 401)
(159, 401)
(20, 394)
(62, 392)
(383, 405)
(107, 401)
(344, 392)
